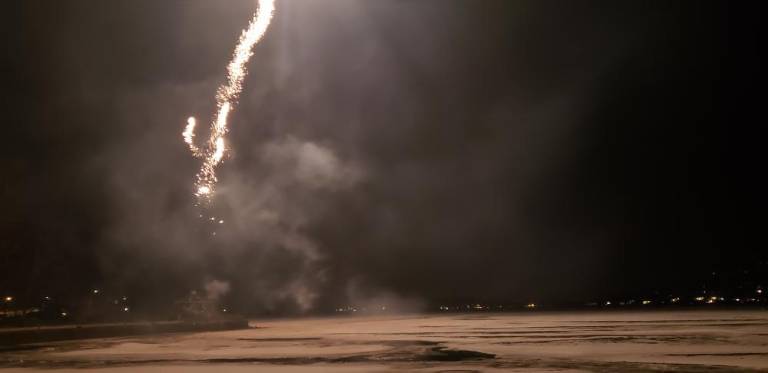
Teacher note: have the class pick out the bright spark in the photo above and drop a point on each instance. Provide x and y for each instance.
(226, 96)
(219, 150)
(203, 190)
(189, 136)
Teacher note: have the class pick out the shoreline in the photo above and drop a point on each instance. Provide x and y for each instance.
(26, 335)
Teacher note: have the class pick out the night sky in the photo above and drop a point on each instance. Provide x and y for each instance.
(408, 151)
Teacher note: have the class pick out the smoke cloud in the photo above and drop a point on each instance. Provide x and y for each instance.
(395, 152)
(215, 289)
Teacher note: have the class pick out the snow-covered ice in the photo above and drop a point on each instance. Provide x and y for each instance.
(607, 341)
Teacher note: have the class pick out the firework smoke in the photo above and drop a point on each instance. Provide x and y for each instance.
(214, 150)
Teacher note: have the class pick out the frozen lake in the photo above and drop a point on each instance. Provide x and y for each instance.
(684, 341)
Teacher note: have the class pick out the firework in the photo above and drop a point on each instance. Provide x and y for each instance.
(189, 136)
(214, 150)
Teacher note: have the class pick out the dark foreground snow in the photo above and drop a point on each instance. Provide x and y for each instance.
(703, 341)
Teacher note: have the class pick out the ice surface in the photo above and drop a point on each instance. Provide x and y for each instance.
(691, 341)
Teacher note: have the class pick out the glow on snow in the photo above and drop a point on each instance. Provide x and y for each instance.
(214, 149)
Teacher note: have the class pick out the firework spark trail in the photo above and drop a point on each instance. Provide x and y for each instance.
(189, 136)
(226, 96)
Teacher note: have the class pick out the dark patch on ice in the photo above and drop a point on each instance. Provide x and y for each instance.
(18, 348)
(444, 354)
(433, 354)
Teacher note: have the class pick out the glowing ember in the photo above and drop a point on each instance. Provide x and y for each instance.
(189, 135)
(203, 190)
